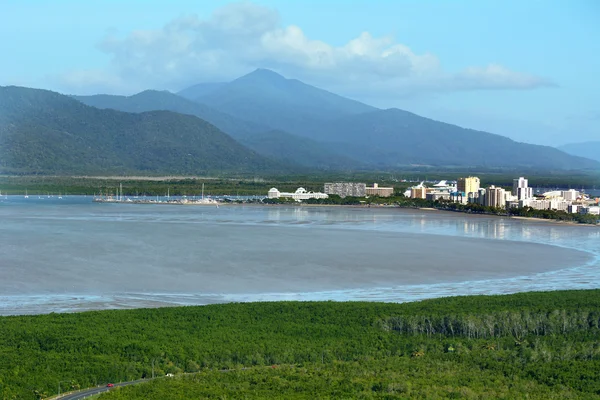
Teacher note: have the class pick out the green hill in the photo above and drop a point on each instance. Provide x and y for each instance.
(46, 132)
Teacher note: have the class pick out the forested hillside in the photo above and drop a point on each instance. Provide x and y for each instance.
(535, 345)
(45, 132)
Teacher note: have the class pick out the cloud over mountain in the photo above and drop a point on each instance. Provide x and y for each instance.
(239, 37)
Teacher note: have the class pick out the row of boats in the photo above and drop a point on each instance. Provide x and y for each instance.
(183, 200)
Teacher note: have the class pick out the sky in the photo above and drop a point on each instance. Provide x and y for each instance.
(523, 69)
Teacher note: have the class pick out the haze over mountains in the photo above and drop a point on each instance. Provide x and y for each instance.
(586, 149)
(261, 121)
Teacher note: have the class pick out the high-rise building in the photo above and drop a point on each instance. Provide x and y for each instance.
(521, 189)
(495, 197)
(468, 185)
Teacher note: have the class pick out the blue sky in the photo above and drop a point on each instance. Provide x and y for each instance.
(524, 69)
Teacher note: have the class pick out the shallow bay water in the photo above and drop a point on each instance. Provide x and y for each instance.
(71, 254)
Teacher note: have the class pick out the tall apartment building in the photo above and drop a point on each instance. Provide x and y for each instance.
(495, 197)
(344, 189)
(468, 185)
(521, 189)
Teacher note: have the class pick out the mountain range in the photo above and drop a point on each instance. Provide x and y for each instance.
(258, 122)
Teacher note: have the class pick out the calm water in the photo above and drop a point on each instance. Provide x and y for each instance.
(71, 254)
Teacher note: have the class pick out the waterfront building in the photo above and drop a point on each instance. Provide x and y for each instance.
(591, 210)
(379, 191)
(559, 204)
(437, 195)
(521, 189)
(495, 197)
(418, 192)
(298, 195)
(468, 186)
(570, 195)
(344, 189)
(537, 204)
(479, 197)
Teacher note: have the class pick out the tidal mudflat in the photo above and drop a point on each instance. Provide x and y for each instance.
(71, 254)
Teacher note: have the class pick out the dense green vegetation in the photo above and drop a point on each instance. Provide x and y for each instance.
(534, 345)
(43, 132)
(385, 378)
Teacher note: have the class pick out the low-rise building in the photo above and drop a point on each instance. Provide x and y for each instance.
(591, 210)
(537, 204)
(299, 195)
(379, 191)
(344, 189)
(436, 195)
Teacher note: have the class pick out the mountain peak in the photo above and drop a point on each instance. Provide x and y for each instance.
(264, 75)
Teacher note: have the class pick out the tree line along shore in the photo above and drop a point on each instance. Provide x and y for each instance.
(534, 345)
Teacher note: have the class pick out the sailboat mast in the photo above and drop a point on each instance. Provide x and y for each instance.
(202, 190)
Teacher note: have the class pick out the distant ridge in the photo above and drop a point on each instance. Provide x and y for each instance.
(585, 149)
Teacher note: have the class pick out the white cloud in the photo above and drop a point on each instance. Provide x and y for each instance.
(240, 37)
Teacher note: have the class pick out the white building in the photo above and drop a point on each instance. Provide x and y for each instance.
(299, 195)
(570, 195)
(536, 204)
(521, 189)
(592, 210)
(559, 204)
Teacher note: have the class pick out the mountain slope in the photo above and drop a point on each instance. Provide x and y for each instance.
(199, 90)
(394, 137)
(43, 131)
(381, 138)
(260, 138)
(585, 149)
(285, 147)
(286, 104)
(154, 100)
